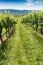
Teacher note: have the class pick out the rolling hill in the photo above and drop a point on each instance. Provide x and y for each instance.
(16, 12)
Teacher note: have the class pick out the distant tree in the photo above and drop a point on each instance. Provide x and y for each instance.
(1, 27)
(41, 22)
(36, 18)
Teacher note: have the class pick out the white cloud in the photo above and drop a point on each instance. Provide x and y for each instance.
(29, 4)
(11, 6)
(26, 6)
(29, 1)
(36, 1)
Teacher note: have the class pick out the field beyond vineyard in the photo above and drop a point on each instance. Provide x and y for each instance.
(23, 47)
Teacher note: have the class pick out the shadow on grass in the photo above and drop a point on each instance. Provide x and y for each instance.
(4, 46)
(35, 34)
(39, 38)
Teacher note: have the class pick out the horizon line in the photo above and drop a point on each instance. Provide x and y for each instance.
(20, 9)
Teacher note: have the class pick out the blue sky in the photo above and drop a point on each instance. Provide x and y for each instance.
(21, 4)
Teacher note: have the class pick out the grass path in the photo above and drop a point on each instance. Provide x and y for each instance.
(24, 47)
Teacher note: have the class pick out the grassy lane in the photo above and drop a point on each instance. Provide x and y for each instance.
(32, 45)
(24, 47)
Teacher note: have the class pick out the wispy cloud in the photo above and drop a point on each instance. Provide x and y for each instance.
(12, 6)
(28, 5)
(34, 1)
(34, 5)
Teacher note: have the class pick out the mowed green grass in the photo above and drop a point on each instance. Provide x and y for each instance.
(24, 47)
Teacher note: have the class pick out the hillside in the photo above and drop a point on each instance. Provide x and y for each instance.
(24, 47)
(16, 12)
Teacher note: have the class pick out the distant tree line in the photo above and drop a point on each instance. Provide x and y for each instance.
(35, 20)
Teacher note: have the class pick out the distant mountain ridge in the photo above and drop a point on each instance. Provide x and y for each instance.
(16, 12)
